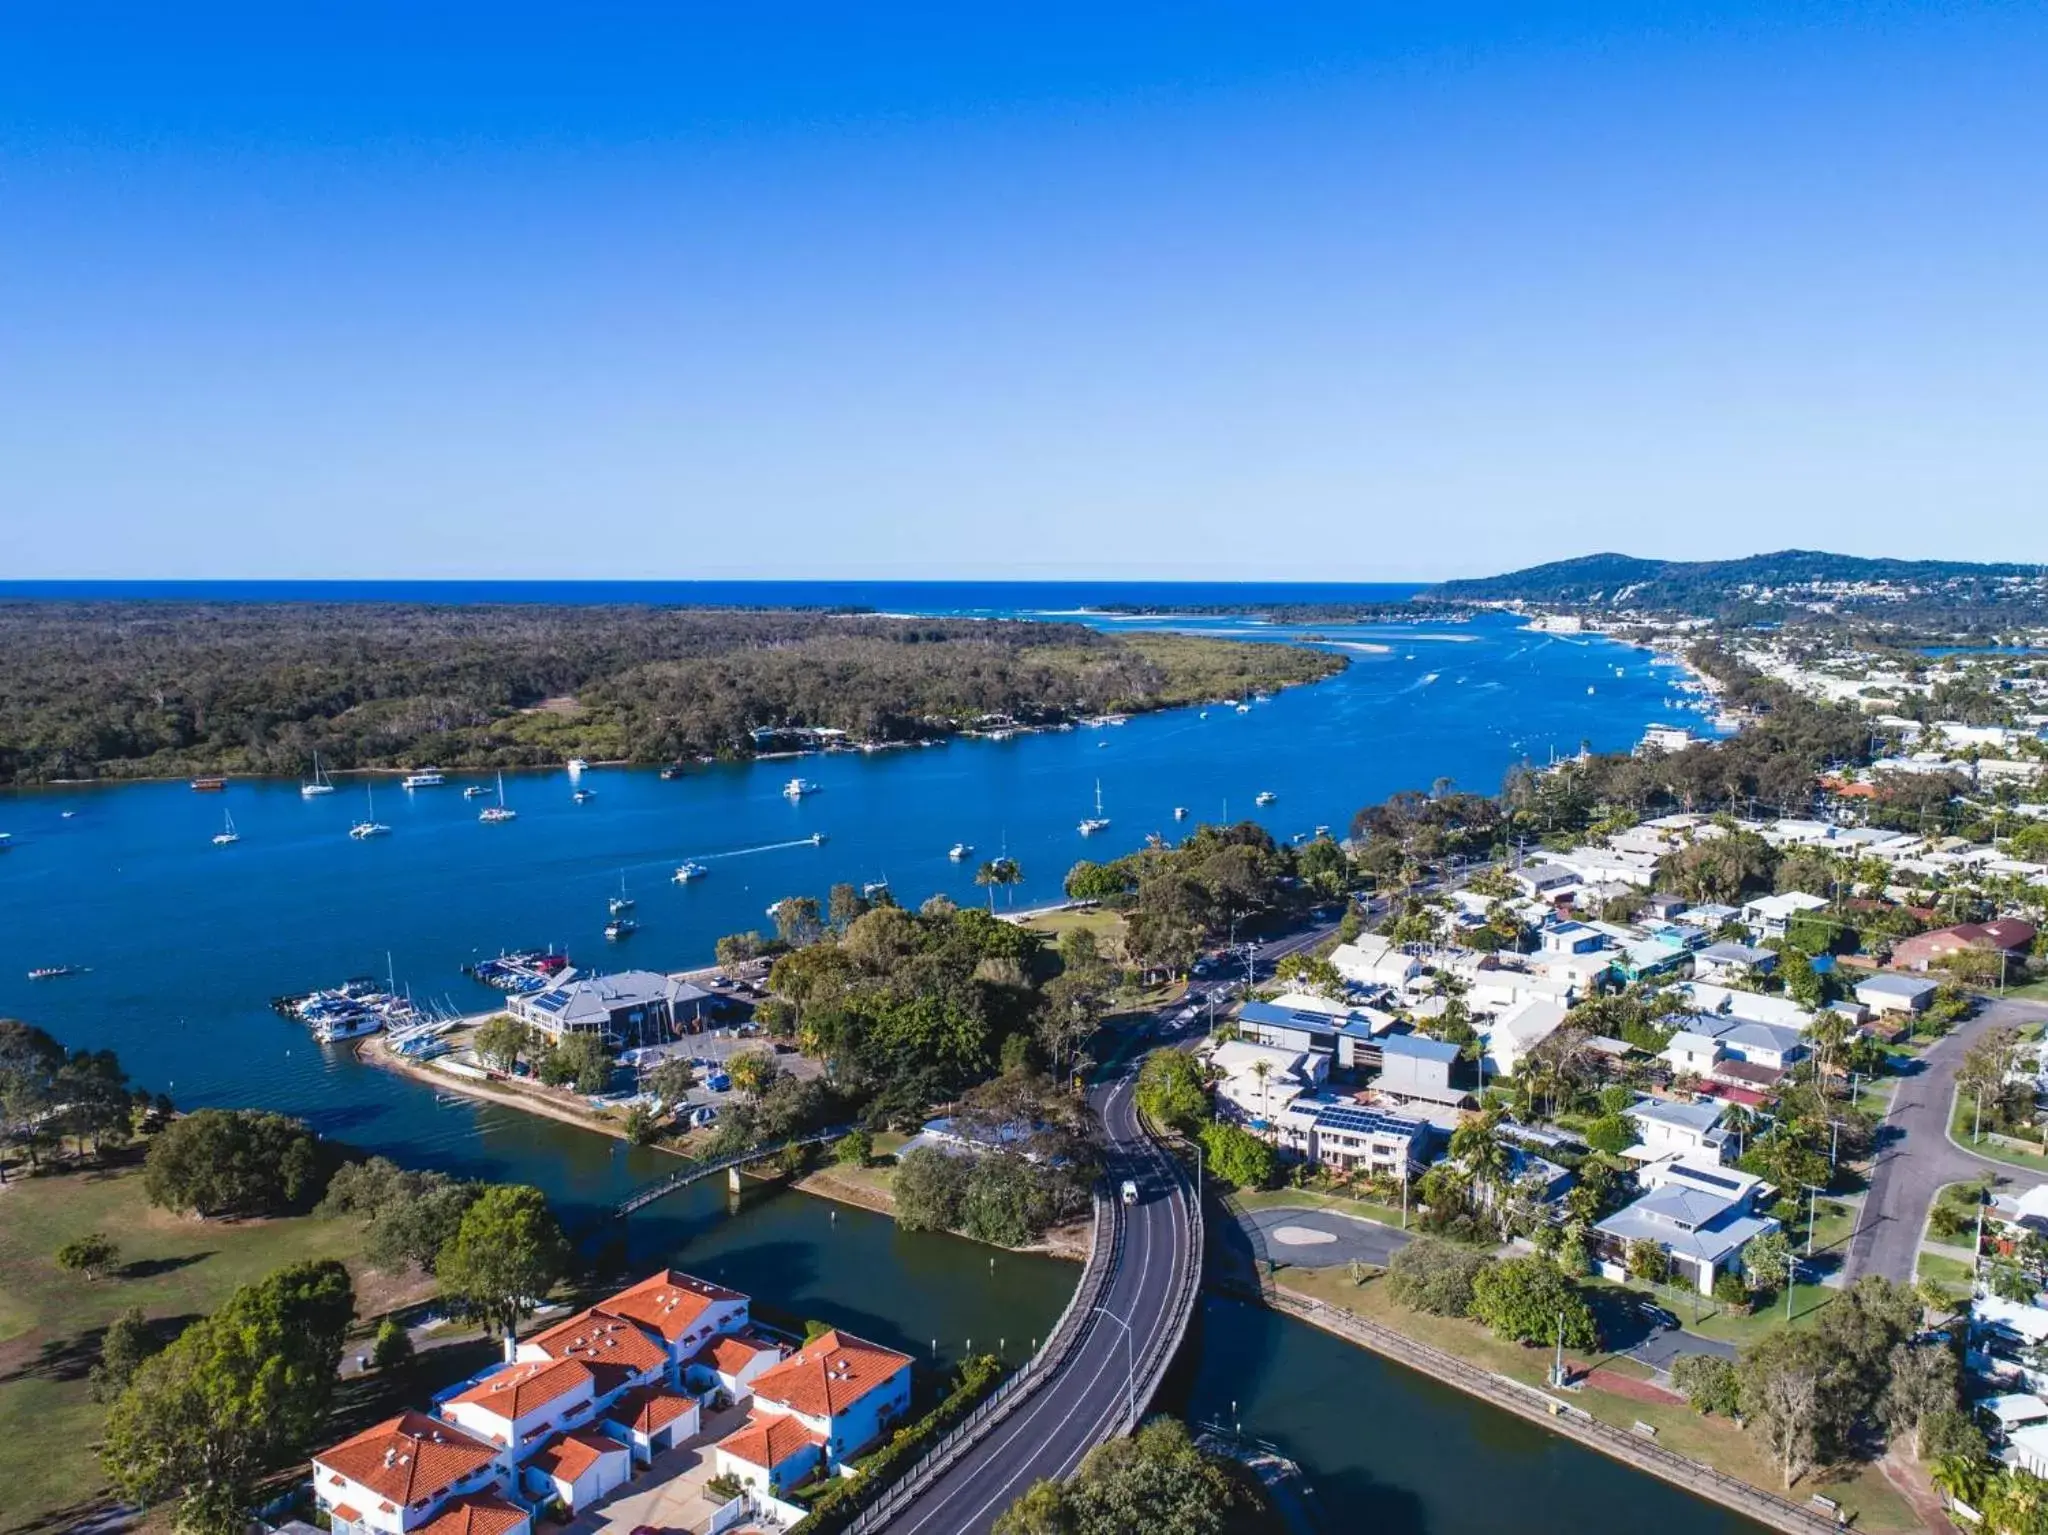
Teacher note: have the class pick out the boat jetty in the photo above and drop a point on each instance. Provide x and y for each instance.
(518, 972)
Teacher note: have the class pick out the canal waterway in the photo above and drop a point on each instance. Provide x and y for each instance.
(186, 942)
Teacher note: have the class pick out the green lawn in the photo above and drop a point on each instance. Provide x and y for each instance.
(1808, 1301)
(1104, 924)
(175, 1269)
(1963, 1121)
(1952, 1274)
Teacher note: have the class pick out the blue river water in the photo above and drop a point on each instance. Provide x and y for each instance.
(186, 942)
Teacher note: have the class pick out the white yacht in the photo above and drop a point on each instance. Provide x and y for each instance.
(1090, 825)
(227, 836)
(797, 788)
(369, 826)
(1264, 797)
(689, 870)
(498, 814)
(425, 778)
(331, 1031)
(474, 791)
(1180, 812)
(578, 765)
(960, 852)
(621, 903)
(319, 784)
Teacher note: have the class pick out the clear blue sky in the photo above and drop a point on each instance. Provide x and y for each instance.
(1344, 291)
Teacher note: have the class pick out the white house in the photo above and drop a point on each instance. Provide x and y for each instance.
(393, 1478)
(837, 1395)
(1353, 1137)
(1700, 1215)
(1668, 1127)
(1768, 916)
(1897, 993)
(1511, 1036)
(1731, 962)
(731, 1363)
(577, 1468)
(1259, 1081)
(618, 1353)
(685, 1312)
(1755, 1006)
(1692, 1052)
(651, 1419)
(1372, 960)
(522, 1405)
(1545, 881)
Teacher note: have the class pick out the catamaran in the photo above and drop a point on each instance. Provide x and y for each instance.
(320, 783)
(369, 826)
(1090, 825)
(227, 836)
(493, 815)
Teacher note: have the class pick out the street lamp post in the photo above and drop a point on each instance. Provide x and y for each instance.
(1130, 1365)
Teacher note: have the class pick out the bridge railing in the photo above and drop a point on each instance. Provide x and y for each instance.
(1187, 1283)
(1105, 1241)
(692, 1172)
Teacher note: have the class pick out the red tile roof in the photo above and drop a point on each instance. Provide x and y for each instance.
(648, 1409)
(346, 1514)
(571, 1454)
(668, 1302)
(769, 1439)
(614, 1348)
(730, 1353)
(519, 1389)
(408, 1457)
(481, 1514)
(829, 1374)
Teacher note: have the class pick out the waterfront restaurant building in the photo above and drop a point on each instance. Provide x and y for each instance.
(632, 1007)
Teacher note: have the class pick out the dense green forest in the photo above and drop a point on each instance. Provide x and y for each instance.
(91, 690)
(1764, 586)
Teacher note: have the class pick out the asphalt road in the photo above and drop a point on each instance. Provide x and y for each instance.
(1309, 1238)
(1086, 1401)
(1916, 1156)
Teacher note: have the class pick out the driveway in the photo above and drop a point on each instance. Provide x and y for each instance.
(669, 1494)
(1916, 1156)
(1312, 1238)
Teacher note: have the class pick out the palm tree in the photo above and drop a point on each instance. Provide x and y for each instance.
(1960, 1477)
(998, 871)
(1263, 1070)
(1488, 1159)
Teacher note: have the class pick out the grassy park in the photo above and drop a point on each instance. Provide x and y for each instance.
(175, 1268)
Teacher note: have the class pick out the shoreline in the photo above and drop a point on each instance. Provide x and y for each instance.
(1535, 1405)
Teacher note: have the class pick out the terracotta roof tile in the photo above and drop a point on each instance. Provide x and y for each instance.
(613, 1347)
(829, 1374)
(570, 1454)
(478, 1515)
(408, 1457)
(668, 1302)
(648, 1409)
(767, 1440)
(731, 1353)
(519, 1389)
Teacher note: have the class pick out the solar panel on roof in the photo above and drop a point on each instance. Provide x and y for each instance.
(1715, 1179)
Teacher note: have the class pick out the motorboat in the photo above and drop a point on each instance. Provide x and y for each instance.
(620, 927)
(498, 814)
(584, 796)
(1264, 797)
(330, 1031)
(227, 836)
(318, 784)
(474, 791)
(797, 788)
(54, 972)
(425, 778)
(817, 839)
(211, 783)
(874, 888)
(1180, 812)
(578, 765)
(1090, 825)
(960, 852)
(688, 871)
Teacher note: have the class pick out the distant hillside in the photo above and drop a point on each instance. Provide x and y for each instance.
(1790, 579)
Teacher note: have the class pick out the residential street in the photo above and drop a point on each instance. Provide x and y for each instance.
(1916, 1156)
